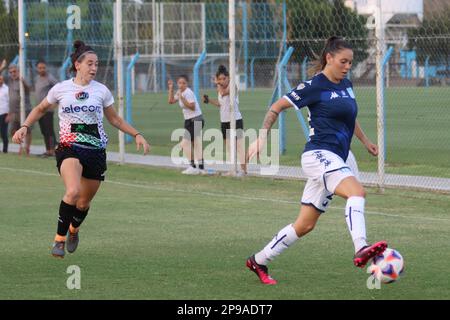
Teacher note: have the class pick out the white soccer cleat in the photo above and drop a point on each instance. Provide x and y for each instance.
(240, 174)
(191, 171)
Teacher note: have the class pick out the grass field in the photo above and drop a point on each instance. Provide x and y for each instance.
(156, 234)
(418, 138)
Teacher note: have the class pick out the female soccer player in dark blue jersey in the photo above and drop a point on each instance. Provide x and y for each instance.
(332, 109)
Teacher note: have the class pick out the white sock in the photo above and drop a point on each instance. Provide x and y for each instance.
(354, 215)
(282, 240)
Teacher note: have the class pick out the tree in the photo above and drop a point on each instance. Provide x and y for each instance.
(9, 41)
(311, 22)
(431, 39)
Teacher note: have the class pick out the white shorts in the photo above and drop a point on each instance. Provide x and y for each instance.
(324, 170)
(351, 162)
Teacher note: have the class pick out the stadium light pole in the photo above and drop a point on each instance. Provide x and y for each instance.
(379, 35)
(232, 62)
(119, 61)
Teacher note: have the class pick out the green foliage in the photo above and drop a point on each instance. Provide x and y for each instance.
(9, 32)
(46, 24)
(432, 39)
(311, 22)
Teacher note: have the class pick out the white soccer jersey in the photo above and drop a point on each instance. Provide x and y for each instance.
(225, 108)
(4, 99)
(189, 95)
(80, 111)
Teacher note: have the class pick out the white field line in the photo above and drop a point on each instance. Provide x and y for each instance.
(221, 195)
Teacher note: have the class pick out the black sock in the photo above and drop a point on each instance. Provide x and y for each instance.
(78, 217)
(66, 212)
(192, 163)
(201, 164)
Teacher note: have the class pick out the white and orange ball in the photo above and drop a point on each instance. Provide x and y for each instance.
(388, 266)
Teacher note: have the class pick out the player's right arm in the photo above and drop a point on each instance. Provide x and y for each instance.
(305, 94)
(207, 99)
(214, 102)
(270, 118)
(171, 99)
(34, 116)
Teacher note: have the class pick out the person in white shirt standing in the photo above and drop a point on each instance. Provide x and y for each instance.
(4, 113)
(222, 80)
(81, 153)
(13, 82)
(193, 123)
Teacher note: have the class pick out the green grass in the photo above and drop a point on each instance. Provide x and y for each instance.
(156, 234)
(417, 134)
(416, 120)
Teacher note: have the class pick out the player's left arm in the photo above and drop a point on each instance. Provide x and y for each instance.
(370, 146)
(117, 121)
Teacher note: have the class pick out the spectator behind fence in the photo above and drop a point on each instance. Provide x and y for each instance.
(43, 82)
(4, 111)
(13, 83)
(193, 124)
(222, 80)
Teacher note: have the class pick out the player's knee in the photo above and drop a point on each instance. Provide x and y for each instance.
(83, 205)
(355, 190)
(358, 192)
(72, 194)
(308, 228)
(303, 229)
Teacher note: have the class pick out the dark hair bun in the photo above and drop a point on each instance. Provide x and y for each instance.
(333, 38)
(78, 44)
(79, 49)
(222, 69)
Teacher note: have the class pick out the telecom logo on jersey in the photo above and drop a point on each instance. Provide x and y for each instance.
(76, 109)
(82, 95)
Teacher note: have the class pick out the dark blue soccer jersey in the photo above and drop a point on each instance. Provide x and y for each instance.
(332, 113)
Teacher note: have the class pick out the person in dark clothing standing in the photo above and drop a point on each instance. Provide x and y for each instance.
(43, 82)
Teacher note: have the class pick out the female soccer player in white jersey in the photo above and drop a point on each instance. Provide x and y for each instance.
(223, 102)
(193, 124)
(332, 119)
(81, 158)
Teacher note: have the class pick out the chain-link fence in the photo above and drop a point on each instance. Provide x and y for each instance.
(415, 72)
(170, 36)
(50, 29)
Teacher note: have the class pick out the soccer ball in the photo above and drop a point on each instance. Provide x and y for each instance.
(387, 267)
